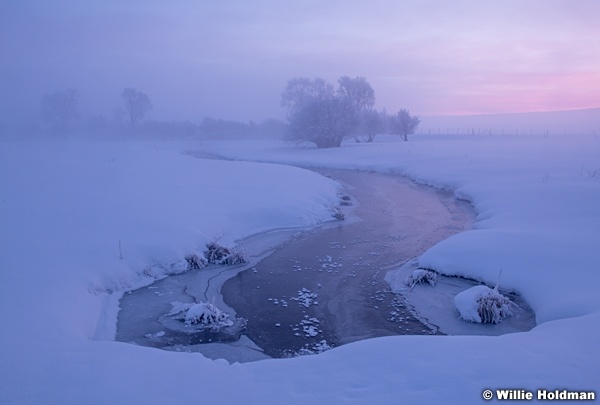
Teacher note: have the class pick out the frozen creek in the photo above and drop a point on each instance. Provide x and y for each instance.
(305, 292)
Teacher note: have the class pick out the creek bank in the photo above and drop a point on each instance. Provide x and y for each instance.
(308, 291)
(328, 288)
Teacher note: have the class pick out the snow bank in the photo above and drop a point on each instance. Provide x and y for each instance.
(64, 207)
(81, 220)
(536, 199)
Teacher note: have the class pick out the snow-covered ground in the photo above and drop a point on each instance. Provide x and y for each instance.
(81, 220)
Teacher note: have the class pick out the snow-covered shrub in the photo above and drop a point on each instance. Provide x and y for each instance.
(235, 258)
(482, 304)
(207, 314)
(215, 253)
(218, 254)
(345, 200)
(421, 276)
(178, 267)
(338, 214)
(195, 262)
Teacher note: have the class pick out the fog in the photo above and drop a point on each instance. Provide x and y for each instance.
(231, 60)
(568, 122)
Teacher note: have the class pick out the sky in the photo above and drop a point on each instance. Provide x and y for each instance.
(232, 59)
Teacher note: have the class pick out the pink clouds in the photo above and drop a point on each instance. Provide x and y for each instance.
(522, 92)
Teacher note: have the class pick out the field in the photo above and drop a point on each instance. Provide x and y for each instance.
(83, 222)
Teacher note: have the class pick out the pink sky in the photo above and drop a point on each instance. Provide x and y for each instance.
(232, 59)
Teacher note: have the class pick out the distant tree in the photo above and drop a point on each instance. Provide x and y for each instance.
(319, 114)
(60, 108)
(403, 124)
(136, 104)
(211, 128)
(301, 91)
(324, 122)
(371, 123)
(358, 91)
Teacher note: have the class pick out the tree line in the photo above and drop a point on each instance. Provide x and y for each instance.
(324, 115)
(60, 114)
(61, 108)
(317, 112)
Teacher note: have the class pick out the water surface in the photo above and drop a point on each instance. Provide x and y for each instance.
(308, 291)
(326, 288)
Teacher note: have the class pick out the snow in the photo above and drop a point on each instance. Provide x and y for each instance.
(420, 276)
(436, 305)
(306, 298)
(206, 314)
(66, 207)
(480, 299)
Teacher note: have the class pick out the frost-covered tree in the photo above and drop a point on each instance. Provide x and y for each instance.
(136, 104)
(324, 122)
(301, 91)
(60, 108)
(403, 124)
(358, 91)
(319, 114)
(371, 123)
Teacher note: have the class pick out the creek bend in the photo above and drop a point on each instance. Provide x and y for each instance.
(344, 267)
(319, 289)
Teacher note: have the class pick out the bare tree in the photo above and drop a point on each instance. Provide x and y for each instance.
(136, 103)
(60, 108)
(404, 124)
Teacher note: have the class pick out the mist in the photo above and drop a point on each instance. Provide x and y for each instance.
(268, 179)
(231, 61)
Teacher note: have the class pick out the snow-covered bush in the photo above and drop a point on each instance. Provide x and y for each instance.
(235, 258)
(207, 314)
(421, 276)
(337, 213)
(195, 262)
(218, 254)
(215, 253)
(482, 304)
(345, 200)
